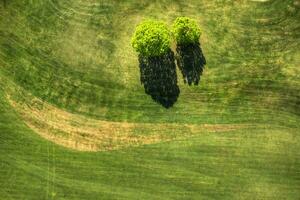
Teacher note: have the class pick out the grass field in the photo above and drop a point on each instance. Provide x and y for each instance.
(75, 122)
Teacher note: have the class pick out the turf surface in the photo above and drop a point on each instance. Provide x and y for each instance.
(74, 58)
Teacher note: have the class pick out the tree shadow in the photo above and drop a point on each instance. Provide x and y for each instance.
(158, 75)
(191, 61)
(4, 3)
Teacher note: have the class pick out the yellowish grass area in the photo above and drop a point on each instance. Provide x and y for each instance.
(86, 134)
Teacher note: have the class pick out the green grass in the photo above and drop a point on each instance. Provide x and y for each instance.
(77, 56)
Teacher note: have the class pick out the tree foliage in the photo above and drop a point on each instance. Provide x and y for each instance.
(186, 30)
(151, 38)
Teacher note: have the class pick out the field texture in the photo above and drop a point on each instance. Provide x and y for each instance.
(75, 122)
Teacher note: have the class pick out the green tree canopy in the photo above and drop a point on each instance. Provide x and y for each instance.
(151, 38)
(186, 30)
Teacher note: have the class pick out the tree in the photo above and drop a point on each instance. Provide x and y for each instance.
(186, 30)
(190, 58)
(156, 61)
(151, 38)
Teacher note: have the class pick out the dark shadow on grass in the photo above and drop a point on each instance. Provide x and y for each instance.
(158, 75)
(191, 61)
(4, 3)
